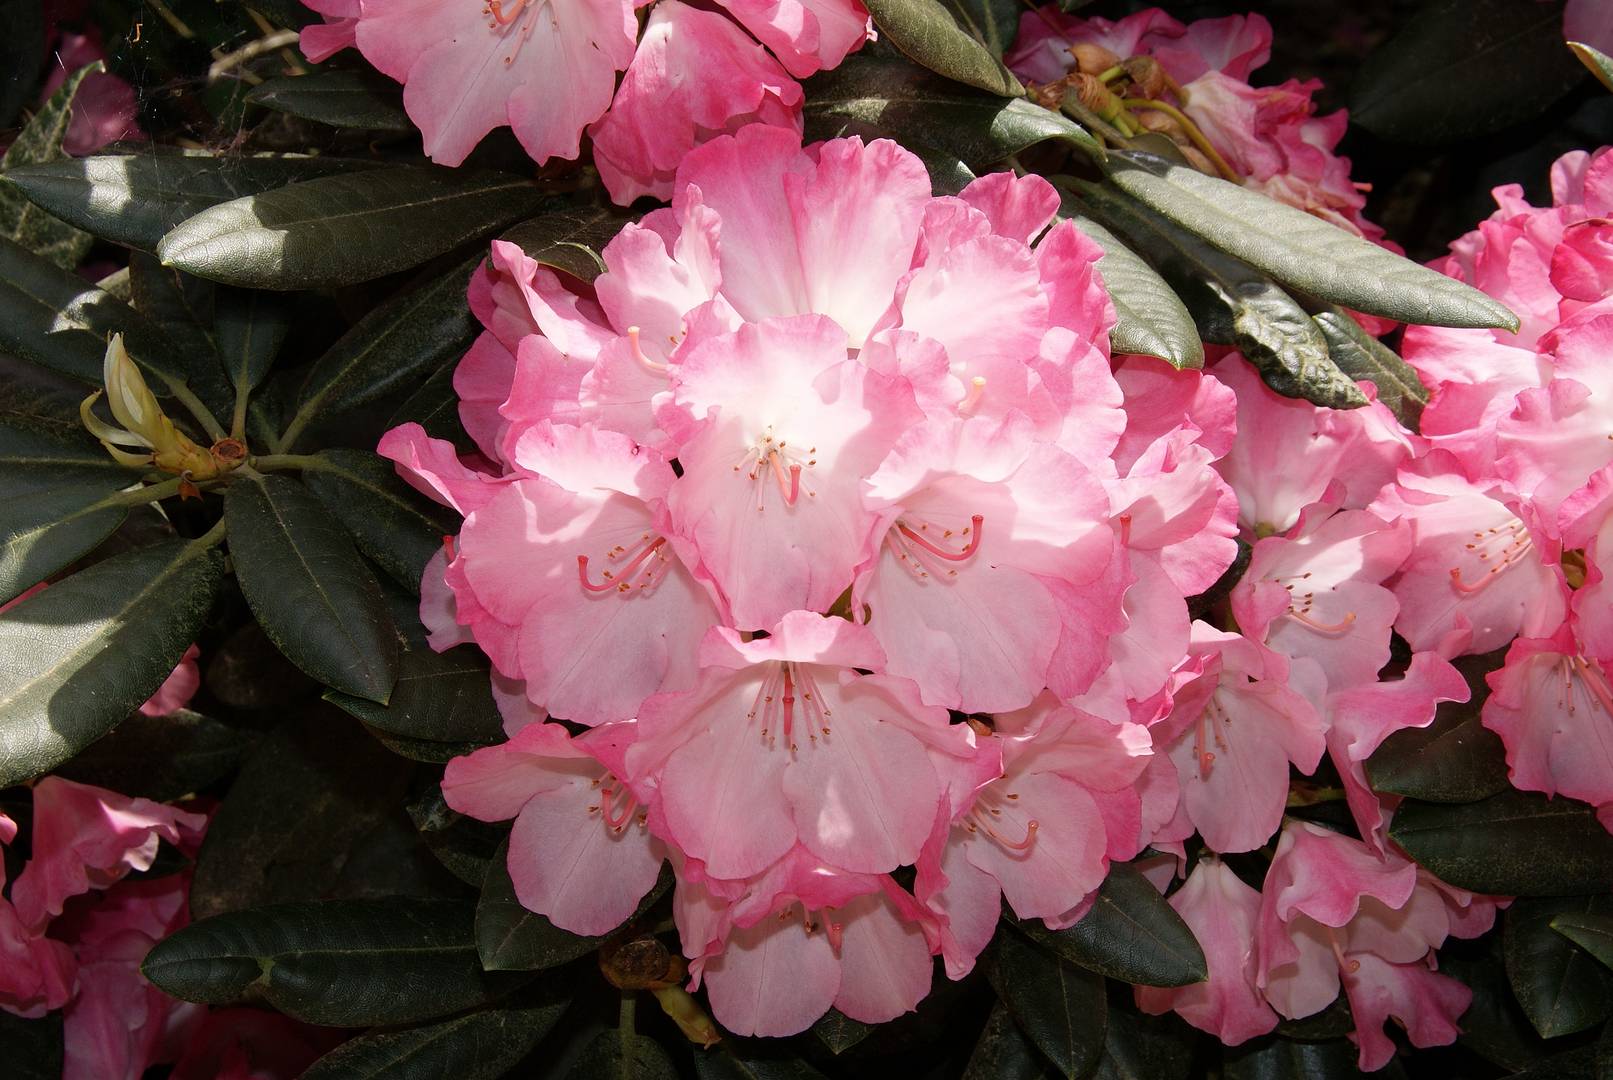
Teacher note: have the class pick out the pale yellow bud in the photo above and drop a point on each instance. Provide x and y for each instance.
(146, 427)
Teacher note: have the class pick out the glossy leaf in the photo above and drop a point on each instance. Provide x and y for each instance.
(249, 326)
(993, 23)
(1150, 319)
(1131, 934)
(1141, 1047)
(839, 1032)
(1591, 932)
(1462, 68)
(134, 199)
(339, 230)
(1303, 251)
(569, 240)
(930, 35)
(623, 1055)
(1512, 844)
(339, 963)
(1494, 1026)
(390, 522)
(360, 99)
(977, 128)
(483, 1044)
(422, 331)
(435, 407)
(1596, 62)
(1273, 1058)
(306, 800)
(439, 697)
(1561, 987)
(462, 844)
(1361, 356)
(309, 589)
(511, 938)
(160, 757)
(1061, 1008)
(86, 652)
(37, 144)
(1003, 1052)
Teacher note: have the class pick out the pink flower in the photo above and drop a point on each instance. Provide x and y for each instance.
(104, 109)
(180, 686)
(1223, 913)
(88, 838)
(695, 75)
(579, 852)
(1232, 733)
(339, 31)
(1553, 709)
(781, 742)
(37, 975)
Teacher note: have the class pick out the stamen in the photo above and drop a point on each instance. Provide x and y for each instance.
(789, 708)
(496, 9)
(791, 492)
(974, 541)
(652, 366)
(971, 400)
(617, 581)
(1596, 682)
(1326, 628)
(1013, 845)
(1345, 964)
(607, 802)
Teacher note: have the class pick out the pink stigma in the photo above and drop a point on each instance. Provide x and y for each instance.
(616, 582)
(496, 8)
(1326, 628)
(941, 553)
(791, 488)
(971, 400)
(653, 367)
(1012, 845)
(607, 803)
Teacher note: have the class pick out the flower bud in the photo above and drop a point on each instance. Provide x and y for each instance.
(1147, 77)
(641, 963)
(146, 428)
(686, 1012)
(1092, 59)
(1098, 97)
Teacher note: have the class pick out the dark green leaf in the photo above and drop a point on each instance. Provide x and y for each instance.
(1561, 987)
(350, 99)
(723, 1062)
(1140, 1047)
(32, 1048)
(623, 1055)
(1462, 68)
(1456, 759)
(309, 589)
(948, 174)
(993, 23)
(435, 407)
(22, 54)
(57, 503)
(339, 963)
(421, 331)
(305, 801)
(1494, 1027)
(1003, 1052)
(1597, 63)
(1274, 1058)
(840, 1032)
(179, 309)
(1131, 934)
(246, 671)
(1576, 1064)
(161, 758)
(1511, 844)
(1361, 356)
(40, 143)
(1303, 251)
(1232, 304)
(931, 35)
(391, 522)
(439, 697)
(339, 230)
(135, 199)
(1150, 319)
(569, 240)
(1591, 932)
(978, 129)
(480, 1045)
(249, 326)
(1060, 1007)
(511, 938)
(82, 655)
(462, 844)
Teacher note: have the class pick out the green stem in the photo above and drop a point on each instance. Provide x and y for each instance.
(194, 404)
(288, 438)
(1192, 130)
(243, 394)
(625, 1024)
(281, 462)
(149, 493)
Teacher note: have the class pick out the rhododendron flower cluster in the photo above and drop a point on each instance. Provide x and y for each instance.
(549, 71)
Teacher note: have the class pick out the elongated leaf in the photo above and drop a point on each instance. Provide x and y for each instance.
(1141, 1047)
(1303, 251)
(39, 143)
(310, 591)
(1592, 932)
(1150, 319)
(462, 844)
(1456, 759)
(1597, 63)
(1511, 844)
(82, 655)
(1494, 1026)
(623, 1055)
(1131, 934)
(134, 199)
(339, 230)
(160, 757)
(928, 32)
(1361, 356)
(483, 1044)
(391, 522)
(723, 1062)
(340, 963)
(419, 332)
(249, 326)
(511, 938)
(307, 799)
(993, 23)
(977, 128)
(1232, 304)
(1461, 68)
(569, 240)
(1003, 1052)
(349, 99)
(435, 407)
(1561, 987)
(439, 697)
(1273, 1058)
(1060, 1007)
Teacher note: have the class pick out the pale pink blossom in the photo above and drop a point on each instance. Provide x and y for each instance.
(321, 41)
(37, 974)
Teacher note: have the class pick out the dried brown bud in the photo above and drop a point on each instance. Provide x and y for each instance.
(1160, 122)
(640, 963)
(1147, 77)
(1092, 59)
(1097, 97)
